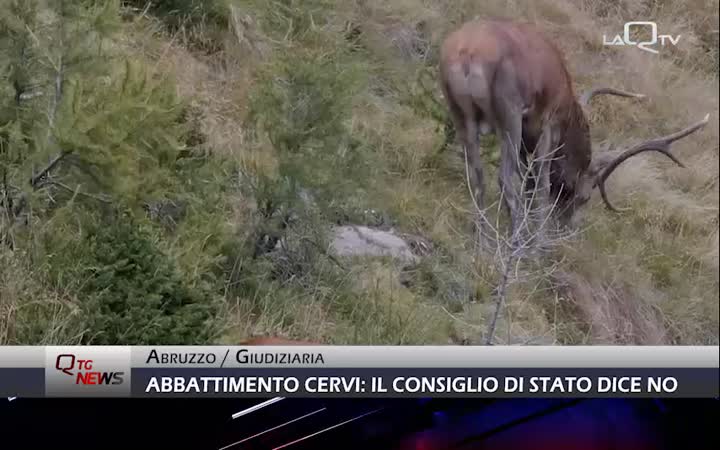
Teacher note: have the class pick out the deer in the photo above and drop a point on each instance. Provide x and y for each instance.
(507, 78)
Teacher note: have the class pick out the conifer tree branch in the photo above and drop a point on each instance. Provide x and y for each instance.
(77, 191)
(35, 179)
(57, 98)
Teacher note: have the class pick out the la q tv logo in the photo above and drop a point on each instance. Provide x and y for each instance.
(647, 45)
(82, 371)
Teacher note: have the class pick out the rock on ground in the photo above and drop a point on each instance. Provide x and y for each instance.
(353, 240)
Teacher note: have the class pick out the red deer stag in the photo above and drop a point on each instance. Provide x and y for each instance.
(509, 79)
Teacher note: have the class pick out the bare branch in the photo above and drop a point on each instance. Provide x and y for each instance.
(481, 222)
(542, 237)
(52, 114)
(77, 191)
(500, 294)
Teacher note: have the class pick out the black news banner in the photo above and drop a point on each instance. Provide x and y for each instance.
(359, 371)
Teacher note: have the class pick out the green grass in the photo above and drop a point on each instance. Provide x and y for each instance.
(237, 109)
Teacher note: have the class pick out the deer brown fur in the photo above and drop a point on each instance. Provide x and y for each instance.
(509, 79)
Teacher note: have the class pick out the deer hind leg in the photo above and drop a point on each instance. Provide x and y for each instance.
(527, 170)
(465, 118)
(508, 169)
(475, 173)
(544, 154)
(477, 183)
(509, 107)
(541, 212)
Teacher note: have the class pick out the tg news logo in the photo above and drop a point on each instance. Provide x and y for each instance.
(83, 373)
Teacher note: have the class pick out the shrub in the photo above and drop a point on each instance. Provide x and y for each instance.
(302, 104)
(136, 295)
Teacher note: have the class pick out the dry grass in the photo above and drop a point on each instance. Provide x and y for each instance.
(646, 277)
(31, 313)
(650, 276)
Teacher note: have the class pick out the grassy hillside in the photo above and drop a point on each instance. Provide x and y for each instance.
(190, 136)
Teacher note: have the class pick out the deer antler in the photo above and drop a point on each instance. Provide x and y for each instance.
(587, 96)
(661, 145)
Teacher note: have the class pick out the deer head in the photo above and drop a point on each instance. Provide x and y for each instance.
(602, 166)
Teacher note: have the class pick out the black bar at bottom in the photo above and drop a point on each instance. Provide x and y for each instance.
(408, 424)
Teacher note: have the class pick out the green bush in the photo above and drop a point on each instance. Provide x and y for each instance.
(136, 295)
(420, 96)
(303, 103)
(114, 132)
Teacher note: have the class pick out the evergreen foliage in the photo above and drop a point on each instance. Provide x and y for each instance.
(136, 296)
(170, 171)
(86, 131)
(303, 103)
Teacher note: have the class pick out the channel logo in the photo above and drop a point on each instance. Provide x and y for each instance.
(82, 371)
(95, 371)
